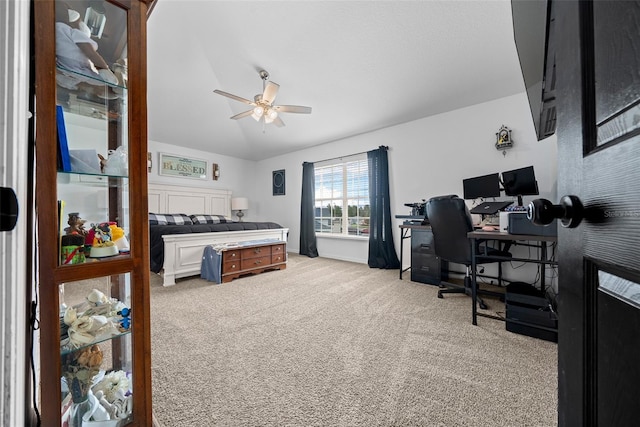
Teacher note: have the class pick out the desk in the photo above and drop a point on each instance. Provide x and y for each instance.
(539, 241)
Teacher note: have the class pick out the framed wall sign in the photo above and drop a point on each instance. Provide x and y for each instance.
(278, 183)
(185, 167)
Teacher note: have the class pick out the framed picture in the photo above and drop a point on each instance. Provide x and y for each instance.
(278, 183)
(180, 166)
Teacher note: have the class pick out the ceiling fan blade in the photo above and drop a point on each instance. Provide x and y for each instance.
(278, 122)
(270, 92)
(292, 109)
(241, 115)
(232, 96)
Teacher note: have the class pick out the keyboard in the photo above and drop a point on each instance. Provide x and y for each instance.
(490, 208)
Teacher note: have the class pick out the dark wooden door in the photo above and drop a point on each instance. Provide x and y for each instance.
(598, 84)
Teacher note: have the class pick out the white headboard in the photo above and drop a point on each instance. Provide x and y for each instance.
(174, 199)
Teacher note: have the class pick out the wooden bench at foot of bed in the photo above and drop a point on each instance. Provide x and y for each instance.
(183, 252)
(253, 259)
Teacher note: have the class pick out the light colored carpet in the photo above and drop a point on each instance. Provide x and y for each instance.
(332, 343)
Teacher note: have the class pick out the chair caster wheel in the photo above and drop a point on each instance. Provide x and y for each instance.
(440, 295)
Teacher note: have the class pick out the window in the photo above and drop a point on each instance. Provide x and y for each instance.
(342, 183)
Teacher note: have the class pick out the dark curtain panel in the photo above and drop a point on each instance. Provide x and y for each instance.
(308, 245)
(382, 252)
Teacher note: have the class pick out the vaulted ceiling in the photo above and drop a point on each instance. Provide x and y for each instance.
(361, 66)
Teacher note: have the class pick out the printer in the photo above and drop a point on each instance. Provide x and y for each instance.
(516, 222)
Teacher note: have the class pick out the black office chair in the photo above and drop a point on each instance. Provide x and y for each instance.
(450, 222)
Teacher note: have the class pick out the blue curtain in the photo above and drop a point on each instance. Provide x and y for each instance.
(308, 245)
(382, 252)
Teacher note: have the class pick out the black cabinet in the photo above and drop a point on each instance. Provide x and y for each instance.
(425, 265)
(529, 312)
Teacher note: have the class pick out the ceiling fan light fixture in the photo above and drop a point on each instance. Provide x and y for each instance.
(258, 112)
(263, 107)
(270, 115)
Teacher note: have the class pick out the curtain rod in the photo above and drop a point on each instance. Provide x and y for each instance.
(384, 147)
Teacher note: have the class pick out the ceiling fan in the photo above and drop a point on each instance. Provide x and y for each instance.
(263, 108)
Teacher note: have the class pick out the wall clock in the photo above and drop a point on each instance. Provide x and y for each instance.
(278, 183)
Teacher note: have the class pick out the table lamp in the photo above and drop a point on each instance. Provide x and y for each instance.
(239, 204)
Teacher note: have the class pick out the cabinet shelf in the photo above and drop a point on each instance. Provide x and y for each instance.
(93, 267)
(90, 178)
(89, 95)
(76, 78)
(92, 260)
(66, 349)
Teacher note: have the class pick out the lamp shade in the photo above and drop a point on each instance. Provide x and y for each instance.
(239, 204)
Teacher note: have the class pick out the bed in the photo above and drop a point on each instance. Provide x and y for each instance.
(176, 247)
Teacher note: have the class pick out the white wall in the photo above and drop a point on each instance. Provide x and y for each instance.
(236, 174)
(427, 157)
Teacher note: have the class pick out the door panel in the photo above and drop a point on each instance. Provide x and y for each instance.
(612, 178)
(617, 65)
(598, 66)
(618, 343)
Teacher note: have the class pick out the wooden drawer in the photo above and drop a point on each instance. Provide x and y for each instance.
(256, 252)
(278, 250)
(230, 266)
(277, 258)
(256, 262)
(231, 255)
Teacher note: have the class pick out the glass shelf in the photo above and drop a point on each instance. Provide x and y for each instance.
(91, 174)
(76, 78)
(66, 349)
(89, 96)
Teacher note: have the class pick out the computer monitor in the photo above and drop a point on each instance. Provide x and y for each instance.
(481, 186)
(520, 182)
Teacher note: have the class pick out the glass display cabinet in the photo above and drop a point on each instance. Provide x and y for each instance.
(91, 207)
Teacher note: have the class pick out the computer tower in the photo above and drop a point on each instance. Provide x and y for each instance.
(529, 312)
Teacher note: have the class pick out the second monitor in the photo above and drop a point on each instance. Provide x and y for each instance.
(520, 182)
(481, 186)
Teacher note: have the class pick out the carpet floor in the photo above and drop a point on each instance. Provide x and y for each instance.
(333, 343)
